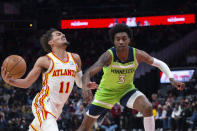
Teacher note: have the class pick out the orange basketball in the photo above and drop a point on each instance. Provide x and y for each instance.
(15, 65)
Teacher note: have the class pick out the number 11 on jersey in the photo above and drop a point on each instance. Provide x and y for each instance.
(62, 87)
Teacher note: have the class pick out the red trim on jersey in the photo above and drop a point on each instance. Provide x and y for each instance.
(33, 128)
(36, 107)
(74, 62)
(52, 63)
(60, 59)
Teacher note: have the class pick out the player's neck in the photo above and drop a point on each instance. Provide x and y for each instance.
(122, 54)
(60, 53)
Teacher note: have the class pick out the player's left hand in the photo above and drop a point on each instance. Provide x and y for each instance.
(177, 84)
(92, 85)
(5, 75)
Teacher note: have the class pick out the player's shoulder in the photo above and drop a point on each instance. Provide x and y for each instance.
(43, 59)
(75, 56)
(138, 51)
(107, 54)
(106, 58)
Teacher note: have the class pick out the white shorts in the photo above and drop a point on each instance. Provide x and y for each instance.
(132, 99)
(50, 124)
(42, 112)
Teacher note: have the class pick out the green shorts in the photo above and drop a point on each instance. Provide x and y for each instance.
(107, 98)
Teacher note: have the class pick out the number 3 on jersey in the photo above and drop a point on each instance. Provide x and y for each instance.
(121, 79)
(62, 87)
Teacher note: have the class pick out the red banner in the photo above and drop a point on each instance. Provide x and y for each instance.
(130, 21)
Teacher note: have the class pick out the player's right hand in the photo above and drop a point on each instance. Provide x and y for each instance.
(87, 95)
(92, 85)
(179, 85)
(5, 75)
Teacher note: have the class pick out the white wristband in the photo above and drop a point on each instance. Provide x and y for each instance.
(163, 67)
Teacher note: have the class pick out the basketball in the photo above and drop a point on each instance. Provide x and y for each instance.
(15, 65)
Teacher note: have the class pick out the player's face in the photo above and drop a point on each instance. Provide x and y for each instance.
(121, 40)
(59, 39)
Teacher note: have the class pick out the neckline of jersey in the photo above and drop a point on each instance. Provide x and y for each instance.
(60, 59)
(129, 56)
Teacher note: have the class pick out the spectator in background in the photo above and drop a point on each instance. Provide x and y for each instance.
(184, 114)
(128, 120)
(155, 101)
(194, 116)
(154, 111)
(11, 100)
(176, 116)
(164, 118)
(169, 114)
(71, 109)
(80, 113)
(3, 122)
(158, 118)
(107, 125)
(116, 114)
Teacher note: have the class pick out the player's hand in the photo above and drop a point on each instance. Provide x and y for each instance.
(5, 75)
(92, 85)
(87, 95)
(177, 84)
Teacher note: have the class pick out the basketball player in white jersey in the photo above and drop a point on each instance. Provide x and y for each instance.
(60, 69)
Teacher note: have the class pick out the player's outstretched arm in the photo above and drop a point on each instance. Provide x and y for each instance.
(79, 74)
(33, 75)
(104, 60)
(142, 56)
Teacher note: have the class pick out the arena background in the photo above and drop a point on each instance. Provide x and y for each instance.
(23, 22)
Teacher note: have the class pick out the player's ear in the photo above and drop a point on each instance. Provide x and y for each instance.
(50, 42)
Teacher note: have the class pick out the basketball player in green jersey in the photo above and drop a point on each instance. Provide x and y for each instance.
(119, 64)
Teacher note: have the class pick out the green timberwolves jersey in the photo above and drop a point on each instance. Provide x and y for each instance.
(117, 79)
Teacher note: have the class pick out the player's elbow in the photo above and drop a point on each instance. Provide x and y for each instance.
(26, 85)
(78, 84)
(87, 74)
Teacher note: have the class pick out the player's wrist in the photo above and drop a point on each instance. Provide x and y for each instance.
(8, 81)
(86, 88)
(171, 79)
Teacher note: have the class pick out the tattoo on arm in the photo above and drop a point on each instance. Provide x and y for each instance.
(142, 56)
(104, 60)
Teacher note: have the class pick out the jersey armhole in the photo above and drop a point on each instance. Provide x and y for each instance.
(76, 65)
(51, 66)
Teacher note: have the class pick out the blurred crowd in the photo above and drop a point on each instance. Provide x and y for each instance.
(172, 109)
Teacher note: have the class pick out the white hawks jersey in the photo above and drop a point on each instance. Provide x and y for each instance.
(58, 82)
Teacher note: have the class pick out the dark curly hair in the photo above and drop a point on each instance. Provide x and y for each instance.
(46, 38)
(119, 28)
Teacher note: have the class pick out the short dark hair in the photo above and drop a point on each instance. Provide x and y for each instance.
(119, 28)
(46, 38)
